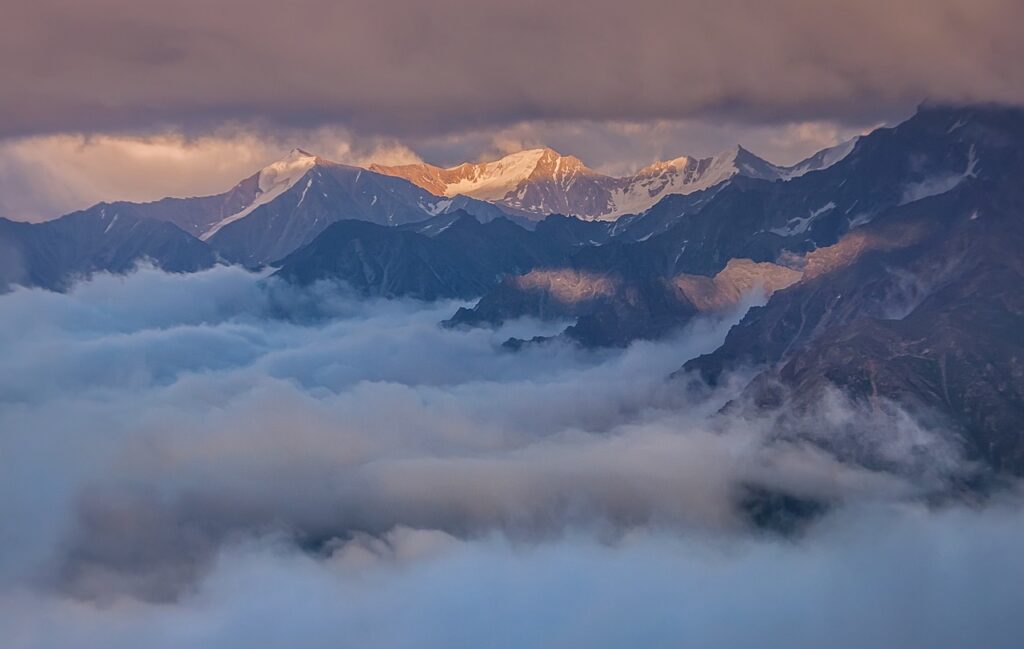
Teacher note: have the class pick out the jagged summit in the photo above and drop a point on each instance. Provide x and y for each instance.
(494, 180)
(291, 200)
(543, 181)
(660, 166)
(272, 181)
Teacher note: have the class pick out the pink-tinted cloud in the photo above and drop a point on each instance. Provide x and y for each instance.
(414, 68)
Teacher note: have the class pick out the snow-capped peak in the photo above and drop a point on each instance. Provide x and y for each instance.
(286, 171)
(682, 175)
(662, 166)
(543, 181)
(739, 160)
(272, 180)
(493, 180)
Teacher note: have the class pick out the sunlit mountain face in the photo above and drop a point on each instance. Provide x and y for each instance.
(585, 324)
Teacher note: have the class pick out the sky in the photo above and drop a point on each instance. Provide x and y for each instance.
(119, 99)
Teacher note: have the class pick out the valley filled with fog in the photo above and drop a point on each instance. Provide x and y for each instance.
(222, 459)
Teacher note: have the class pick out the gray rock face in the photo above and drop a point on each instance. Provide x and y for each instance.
(922, 307)
(925, 312)
(55, 253)
(288, 203)
(445, 257)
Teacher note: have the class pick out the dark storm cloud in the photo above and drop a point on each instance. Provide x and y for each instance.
(415, 67)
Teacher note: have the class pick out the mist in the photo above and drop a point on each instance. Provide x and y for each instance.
(184, 464)
(872, 578)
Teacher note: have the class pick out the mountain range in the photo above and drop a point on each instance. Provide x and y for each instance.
(543, 181)
(287, 204)
(889, 268)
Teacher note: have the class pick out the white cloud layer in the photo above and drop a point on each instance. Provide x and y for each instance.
(183, 467)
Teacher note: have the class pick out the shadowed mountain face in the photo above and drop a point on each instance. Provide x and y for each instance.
(454, 256)
(893, 171)
(288, 203)
(613, 309)
(327, 193)
(53, 254)
(285, 205)
(894, 276)
(923, 308)
(756, 219)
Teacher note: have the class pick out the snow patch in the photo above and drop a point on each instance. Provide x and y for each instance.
(799, 225)
(959, 123)
(494, 180)
(440, 207)
(821, 160)
(930, 187)
(305, 190)
(273, 180)
(111, 224)
(941, 183)
(862, 218)
(683, 175)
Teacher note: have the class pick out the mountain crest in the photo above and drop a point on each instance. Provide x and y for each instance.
(553, 164)
(272, 181)
(543, 181)
(661, 166)
(287, 170)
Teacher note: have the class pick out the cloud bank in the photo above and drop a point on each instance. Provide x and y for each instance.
(401, 68)
(878, 578)
(184, 465)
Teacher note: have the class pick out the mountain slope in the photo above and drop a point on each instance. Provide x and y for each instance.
(922, 307)
(305, 194)
(271, 182)
(443, 258)
(535, 181)
(890, 173)
(614, 309)
(287, 203)
(767, 221)
(55, 253)
(324, 194)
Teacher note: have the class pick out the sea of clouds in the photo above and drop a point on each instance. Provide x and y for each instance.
(217, 460)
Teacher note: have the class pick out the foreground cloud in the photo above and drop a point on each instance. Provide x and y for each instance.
(874, 578)
(183, 464)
